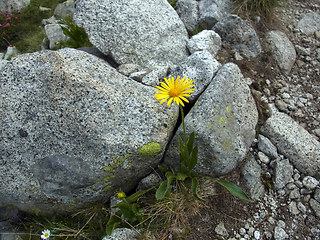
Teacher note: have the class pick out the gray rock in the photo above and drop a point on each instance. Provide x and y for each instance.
(281, 105)
(211, 11)
(310, 182)
(3, 63)
(152, 78)
(294, 194)
(55, 35)
(72, 126)
(266, 146)
(15, 4)
(309, 23)
(149, 181)
(301, 207)
(11, 52)
(303, 51)
(282, 50)
(279, 232)
(293, 209)
(188, 12)
(65, 9)
(294, 142)
(122, 234)
(95, 51)
(224, 119)
(127, 69)
(315, 205)
(257, 235)
(200, 67)
(51, 20)
(238, 35)
(317, 132)
(138, 76)
(252, 174)
(205, 40)
(317, 195)
(263, 158)
(221, 230)
(134, 31)
(283, 173)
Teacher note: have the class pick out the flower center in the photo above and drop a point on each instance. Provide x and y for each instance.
(46, 234)
(174, 92)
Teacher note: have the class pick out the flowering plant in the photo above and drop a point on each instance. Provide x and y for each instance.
(177, 91)
(6, 21)
(45, 234)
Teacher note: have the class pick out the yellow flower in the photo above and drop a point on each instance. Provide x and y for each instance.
(174, 90)
(121, 195)
(57, 43)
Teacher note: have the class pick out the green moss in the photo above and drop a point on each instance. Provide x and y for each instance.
(117, 162)
(227, 145)
(107, 179)
(107, 188)
(150, 149)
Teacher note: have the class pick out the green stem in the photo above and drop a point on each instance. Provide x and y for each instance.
(183, 125)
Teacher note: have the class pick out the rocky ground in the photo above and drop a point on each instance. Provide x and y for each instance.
(290, 209)
(288, 202)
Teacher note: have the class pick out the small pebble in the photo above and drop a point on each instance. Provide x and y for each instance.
(310, 182)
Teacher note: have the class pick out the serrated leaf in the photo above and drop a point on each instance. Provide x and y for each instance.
(234, 189)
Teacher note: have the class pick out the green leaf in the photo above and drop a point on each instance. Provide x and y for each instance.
(194, 187)
(164, 186)
(65, 31)
(163, 168)
(190, 142)
(181, 176)
(234, 189)
(126, 211)
(170, 176)
(184, 154)
(112, 224)
(162, 190)
(134, 197)
(194, 158)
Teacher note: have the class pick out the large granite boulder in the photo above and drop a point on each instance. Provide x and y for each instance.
(224, 120)
(309, 23)
(282, 50)
(145, 32)
(239, 36)
(74, 130)
(293, 141)
(211, 11)
(188, 11)
(200, 67)
(205, 40)
(13, 5)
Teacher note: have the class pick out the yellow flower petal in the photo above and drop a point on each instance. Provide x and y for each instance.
(174, 90)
